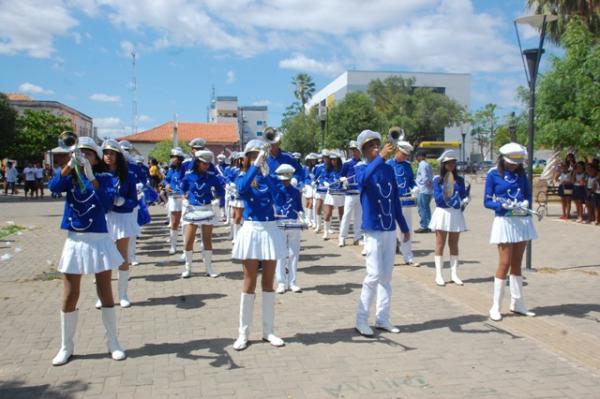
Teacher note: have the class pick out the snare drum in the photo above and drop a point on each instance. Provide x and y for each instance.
(202, 214)
(408, 201)
(290, 225)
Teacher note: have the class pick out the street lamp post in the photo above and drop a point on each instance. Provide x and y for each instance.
(531, 62)
(464, 150)
(323, 120)
(512, 127)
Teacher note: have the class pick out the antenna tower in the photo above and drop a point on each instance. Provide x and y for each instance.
(134, 110)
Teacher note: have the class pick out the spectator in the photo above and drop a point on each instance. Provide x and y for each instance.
(579, 183)
(29, 173)
(565, 190)
(39, 180)
(11, 178)
(424, 181)
(596, 196)
(591, 172)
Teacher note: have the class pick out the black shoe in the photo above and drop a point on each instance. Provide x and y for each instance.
(421, 231)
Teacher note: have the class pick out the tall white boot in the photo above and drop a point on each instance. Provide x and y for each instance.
(341, 241)
(109, 318)
(439, 263)
(131, 251)
(235, 229)
(246, 308)
(188, 264)
(207, 257)
(68, 325)
(268, 314)
(326, 230)
(173, 241)
(499, 285)
(317, 223)
(122, 284)
(454, 267)
(517, 304)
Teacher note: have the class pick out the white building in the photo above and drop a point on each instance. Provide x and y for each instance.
(252, 120)
(224, 109)
(457, 86)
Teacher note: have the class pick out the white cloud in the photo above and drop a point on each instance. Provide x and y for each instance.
(302, 63)
(230, 77)
(144, 118)
(126, 48)
(105, 98)
(31, 26)
(33, 89)
(111, 126)
(262, 102)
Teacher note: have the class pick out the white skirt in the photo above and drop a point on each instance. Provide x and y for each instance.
(210, 222)
(122, 225)
(259, 240)
(175, 204)
(89, 253)
(308, 191)
(237, 203)
(448, 219)
(319, 196)
(334, 200)
(506, 230)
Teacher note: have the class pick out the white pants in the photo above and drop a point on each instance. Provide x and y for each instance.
(290, 261)
(406, 247)
(380, 247)
(352, 210)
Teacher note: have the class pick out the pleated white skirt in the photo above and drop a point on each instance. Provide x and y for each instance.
(122, 225)
(259, 240)
(308, 191)
(511, 229)
(237, 203)
(175, 204)
(89, 253)
(448, 219)
(334, 200)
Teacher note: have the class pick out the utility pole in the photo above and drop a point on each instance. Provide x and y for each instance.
(134, 110)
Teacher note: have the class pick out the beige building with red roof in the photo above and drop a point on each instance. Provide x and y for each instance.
(218, 136)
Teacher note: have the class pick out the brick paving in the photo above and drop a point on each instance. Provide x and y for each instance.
(178, 333)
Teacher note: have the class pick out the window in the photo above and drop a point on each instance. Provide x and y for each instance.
(258, 134)
(259, 123)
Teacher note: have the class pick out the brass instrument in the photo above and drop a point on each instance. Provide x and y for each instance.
(68, 141)
(395, 134)
(271, 136)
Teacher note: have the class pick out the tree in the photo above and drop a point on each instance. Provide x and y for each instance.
(37, 132)
(355, 113)
(567, 110)
(162, 150)
(485, 124)
(304, 87)
(301, 132)
(587, 11)
(8, 123)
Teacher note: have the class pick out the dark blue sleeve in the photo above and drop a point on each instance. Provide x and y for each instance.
(185, 184)
(365, 174)
(462, 190)
(398, 212)
(60, 184)
(438, 191)
(219, 191)
(298, 201)
(244, 182)
(130, 196)
(105, 191)
(488, 195)
(410, 177)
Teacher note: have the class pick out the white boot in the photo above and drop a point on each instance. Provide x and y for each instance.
(246, 308)
(268, 314)
(499, 285)
(207, 256)
(188, 264)
(318, 223)
(173, 241)
(517, 305)
(122, 284)
(131, 250)
(454, 266)
(68, 325)
(341, 241)
(109, 318)
(98, 304)
(439, 263)
(235, 229)
(326, 230)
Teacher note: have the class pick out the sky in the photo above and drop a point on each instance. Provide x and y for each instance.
(78, 52)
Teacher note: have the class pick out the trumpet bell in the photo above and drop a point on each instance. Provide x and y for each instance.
(396, 133)
(272, 136)
(68, 141)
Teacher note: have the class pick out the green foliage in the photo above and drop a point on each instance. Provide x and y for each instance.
(8, 123)
(484, 126)
(301, 132)
(304, 87)
(349, 117)
(10, 229)
(568, 112)
(162, 150)
(37, 132)
(588, 11)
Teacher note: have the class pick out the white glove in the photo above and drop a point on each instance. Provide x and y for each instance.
(118, 201)
(345, 183)
(139, 186)
(414, 191)
(465, 201)
(524, 204)
(508, 205)
(326, 184)
(72, 162)
(301, 215)
(87, 169)
(343, 179)
(294, 182)
(215, 202)
(260, 158)
(231, 186)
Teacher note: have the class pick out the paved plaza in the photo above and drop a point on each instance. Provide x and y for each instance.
(178, 334)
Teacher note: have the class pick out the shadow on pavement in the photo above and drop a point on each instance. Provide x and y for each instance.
(345, 335)
(194, 301)
(310, 258)
(158, 278)
(335, 289)
(17, 389)
(579, 310)
(456, 324)
(317, 269)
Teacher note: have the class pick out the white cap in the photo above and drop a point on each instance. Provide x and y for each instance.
(325, 153)
(353, 144)
(513, 153)
(365, 136)
(312, 156)
(221, 157)
(198, 143)
(405, 147)
(254, 145)
(285, 171)
(448, 155)
(112, 144)
(139, 159)
(177, 152)
(335, 154)
(126, 145)
(90, 144)
(205, 156)
(297, 155)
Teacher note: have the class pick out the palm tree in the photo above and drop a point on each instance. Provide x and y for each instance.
(587, 10)
(305, 87)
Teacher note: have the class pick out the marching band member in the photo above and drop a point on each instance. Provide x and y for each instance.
(405, 180)
(235, 202)
(507, 192)
(352, 209)
(198, 186)
(288, 207)
(196, 144)
(381, 211)
(335, 192)
(88, 248)
(308, 189)
(121, 219)
(278, 157)
(220, 168)
(259, 240)
(450, 196)
(320, 190)
(172, 183)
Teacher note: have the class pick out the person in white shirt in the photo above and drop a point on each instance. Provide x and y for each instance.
(29, 173)
(39, 180)
(11, 178)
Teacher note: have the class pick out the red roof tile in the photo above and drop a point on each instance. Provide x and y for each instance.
(213, 133)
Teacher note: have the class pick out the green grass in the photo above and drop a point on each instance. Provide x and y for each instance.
(9, 230)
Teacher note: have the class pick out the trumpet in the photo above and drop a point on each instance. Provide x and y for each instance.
(68, 141)
(264, 166)
(395, 134)
(272, 136)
